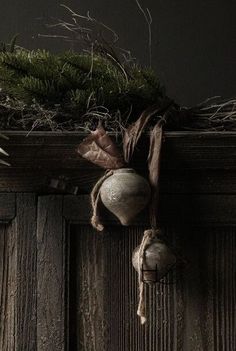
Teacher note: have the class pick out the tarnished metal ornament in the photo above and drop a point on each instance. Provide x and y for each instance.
(157, 261)
(125, 194)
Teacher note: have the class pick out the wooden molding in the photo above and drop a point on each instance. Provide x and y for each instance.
(190, 162)
(7, 207)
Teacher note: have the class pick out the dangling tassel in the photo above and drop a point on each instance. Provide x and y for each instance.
(148, 236)
(95, 196)
(154, 170)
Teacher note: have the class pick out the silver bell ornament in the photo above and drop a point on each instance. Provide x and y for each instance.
(156, 261)
(122, 191)
(125, 194)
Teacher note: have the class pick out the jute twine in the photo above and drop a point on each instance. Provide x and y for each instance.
(130, 140)
(150, 234)
(148, 237)
(95, 196)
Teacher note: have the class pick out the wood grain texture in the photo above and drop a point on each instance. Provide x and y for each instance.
(51, 310)
(18, 278)
(179, 181)
(92, 306)
(8, 278)
(190, 162)
(200, 209)
(181, 150)
(25, 227)
(196, 313)
(7, 207)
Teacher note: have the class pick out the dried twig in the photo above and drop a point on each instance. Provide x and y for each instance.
(148, 18)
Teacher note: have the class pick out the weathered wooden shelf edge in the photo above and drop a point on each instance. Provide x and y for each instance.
(190, 149)
(192, 162)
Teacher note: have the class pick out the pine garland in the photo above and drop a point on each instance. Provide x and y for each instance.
(72, 91)
(74, 84)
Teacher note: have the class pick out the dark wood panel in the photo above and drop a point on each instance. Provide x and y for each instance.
(18, 278)
(25, 227)
(8, 292)
(192, 310)
(191, 162)
(7, 207)
(202, 209)
(179, 181)
(90, 306)
(208, 290)
(181, 150)
(51, 310)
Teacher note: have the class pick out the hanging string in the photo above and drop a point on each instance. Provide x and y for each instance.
(95, 195)
(150, 234)
(154, 171)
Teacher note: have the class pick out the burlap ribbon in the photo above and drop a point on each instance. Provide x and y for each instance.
(100, 149)
(131, 137)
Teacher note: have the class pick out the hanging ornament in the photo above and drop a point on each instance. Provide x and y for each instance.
(122, 191)
(125, 194)
(153, 259)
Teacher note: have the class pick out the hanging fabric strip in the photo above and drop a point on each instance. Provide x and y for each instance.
(154, 171)
(146, 241)
(95, 196)
(134, 131)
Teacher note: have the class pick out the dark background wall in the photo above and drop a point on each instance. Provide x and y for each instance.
(194, 42)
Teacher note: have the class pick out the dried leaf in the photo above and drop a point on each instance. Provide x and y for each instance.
(105, 142)
(99, 149)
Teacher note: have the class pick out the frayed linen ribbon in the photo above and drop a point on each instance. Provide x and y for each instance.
(148, 237)
(95, 196)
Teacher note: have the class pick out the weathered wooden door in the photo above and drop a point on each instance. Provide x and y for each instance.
(64, 287)
(192, 310)
(32, 273)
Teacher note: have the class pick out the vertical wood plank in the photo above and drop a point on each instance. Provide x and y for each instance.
(192, 310)
(25, 228)
(91, 305)
(8, 296)
(18, 278)
(51, 309)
